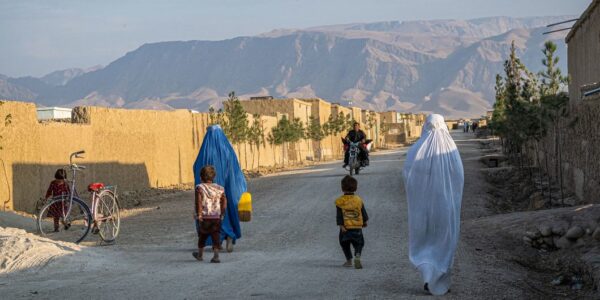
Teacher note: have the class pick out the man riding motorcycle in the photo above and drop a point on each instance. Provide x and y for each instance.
(357, 135)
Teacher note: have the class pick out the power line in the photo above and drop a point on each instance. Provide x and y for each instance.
(563, 22)
(563, 29)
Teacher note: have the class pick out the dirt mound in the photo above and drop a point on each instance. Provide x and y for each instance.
(20, 250)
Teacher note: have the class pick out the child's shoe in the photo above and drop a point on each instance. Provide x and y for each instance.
(197, 255)
(347, 264)
(357, 263)
(215, 258)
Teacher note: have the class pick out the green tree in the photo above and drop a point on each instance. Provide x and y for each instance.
(348, 122)
(280, 135)
(552, 81)
(554, 104)
(316, 133)
(216, 117)
(297, 133)
(236, 122)
(370, 121)
(527, 104)
(256, 136)
(518, 111)
(341, 123)
(236, 127)
(498, 116)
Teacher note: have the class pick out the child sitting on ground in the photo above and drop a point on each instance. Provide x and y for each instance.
(351, 217)
(211, 204)
(58, 187)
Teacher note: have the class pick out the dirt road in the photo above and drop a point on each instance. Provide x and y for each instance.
(289, 250)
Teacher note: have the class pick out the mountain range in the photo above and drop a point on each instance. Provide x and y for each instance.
(443, 66)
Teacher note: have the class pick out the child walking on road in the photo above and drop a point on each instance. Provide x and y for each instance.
(351, 218)
(211, 204)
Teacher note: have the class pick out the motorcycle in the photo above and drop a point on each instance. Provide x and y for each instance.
(355, 164)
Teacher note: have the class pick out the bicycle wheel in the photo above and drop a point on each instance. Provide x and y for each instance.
(63, 220)
(107, 218)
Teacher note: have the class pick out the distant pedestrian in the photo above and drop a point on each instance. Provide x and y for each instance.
(351, 217)
(217, 151)
(211, 205)
(434, 179)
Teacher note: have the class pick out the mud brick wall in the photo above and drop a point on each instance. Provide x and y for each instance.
(579, 141)
(133, 149)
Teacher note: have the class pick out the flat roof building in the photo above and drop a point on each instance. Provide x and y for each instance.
(583, 55)
(53, 113)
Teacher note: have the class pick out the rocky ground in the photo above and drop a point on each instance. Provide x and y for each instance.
(550, 232)
(290, 248)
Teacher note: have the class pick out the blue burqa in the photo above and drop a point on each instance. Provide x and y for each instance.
(218, 152)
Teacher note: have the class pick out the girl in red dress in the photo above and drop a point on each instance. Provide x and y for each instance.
(58, 187)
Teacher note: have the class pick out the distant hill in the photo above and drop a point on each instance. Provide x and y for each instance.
(62, 77)
(444, 66)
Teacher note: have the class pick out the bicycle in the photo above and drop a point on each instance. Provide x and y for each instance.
(76, 216)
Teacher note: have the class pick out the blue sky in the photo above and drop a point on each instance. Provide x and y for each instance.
(43, 36)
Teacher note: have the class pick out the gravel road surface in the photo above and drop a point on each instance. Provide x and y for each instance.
(289, 250)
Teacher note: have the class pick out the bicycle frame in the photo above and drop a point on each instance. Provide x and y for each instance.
(95, 198)
(95, 194)
(74, 169)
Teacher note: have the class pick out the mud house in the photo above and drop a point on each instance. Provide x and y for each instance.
(357, 115)
(292, 109)
(574, 147)
(330, 147)
(583, 51)
(337, 108)
(452, 124)
(372, 126)
(53, 113)
(391, 117)
(402, 128)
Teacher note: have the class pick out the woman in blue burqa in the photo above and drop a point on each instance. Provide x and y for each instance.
(218, 152)
(434, 178)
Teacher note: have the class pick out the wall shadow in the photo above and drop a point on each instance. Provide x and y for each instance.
(30, 181)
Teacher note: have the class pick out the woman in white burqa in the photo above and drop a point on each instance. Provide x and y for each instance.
(434, 178)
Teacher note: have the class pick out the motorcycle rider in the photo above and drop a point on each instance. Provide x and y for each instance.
(357, 135)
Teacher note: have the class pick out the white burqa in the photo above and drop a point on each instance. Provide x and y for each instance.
(434, 178)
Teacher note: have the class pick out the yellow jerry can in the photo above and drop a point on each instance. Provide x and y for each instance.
(245, 207)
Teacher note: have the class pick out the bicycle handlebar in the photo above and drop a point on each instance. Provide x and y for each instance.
(76, 155)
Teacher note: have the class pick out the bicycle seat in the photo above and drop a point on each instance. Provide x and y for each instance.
(94, 187)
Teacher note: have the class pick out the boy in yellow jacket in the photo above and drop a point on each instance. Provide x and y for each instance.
(351, 218)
